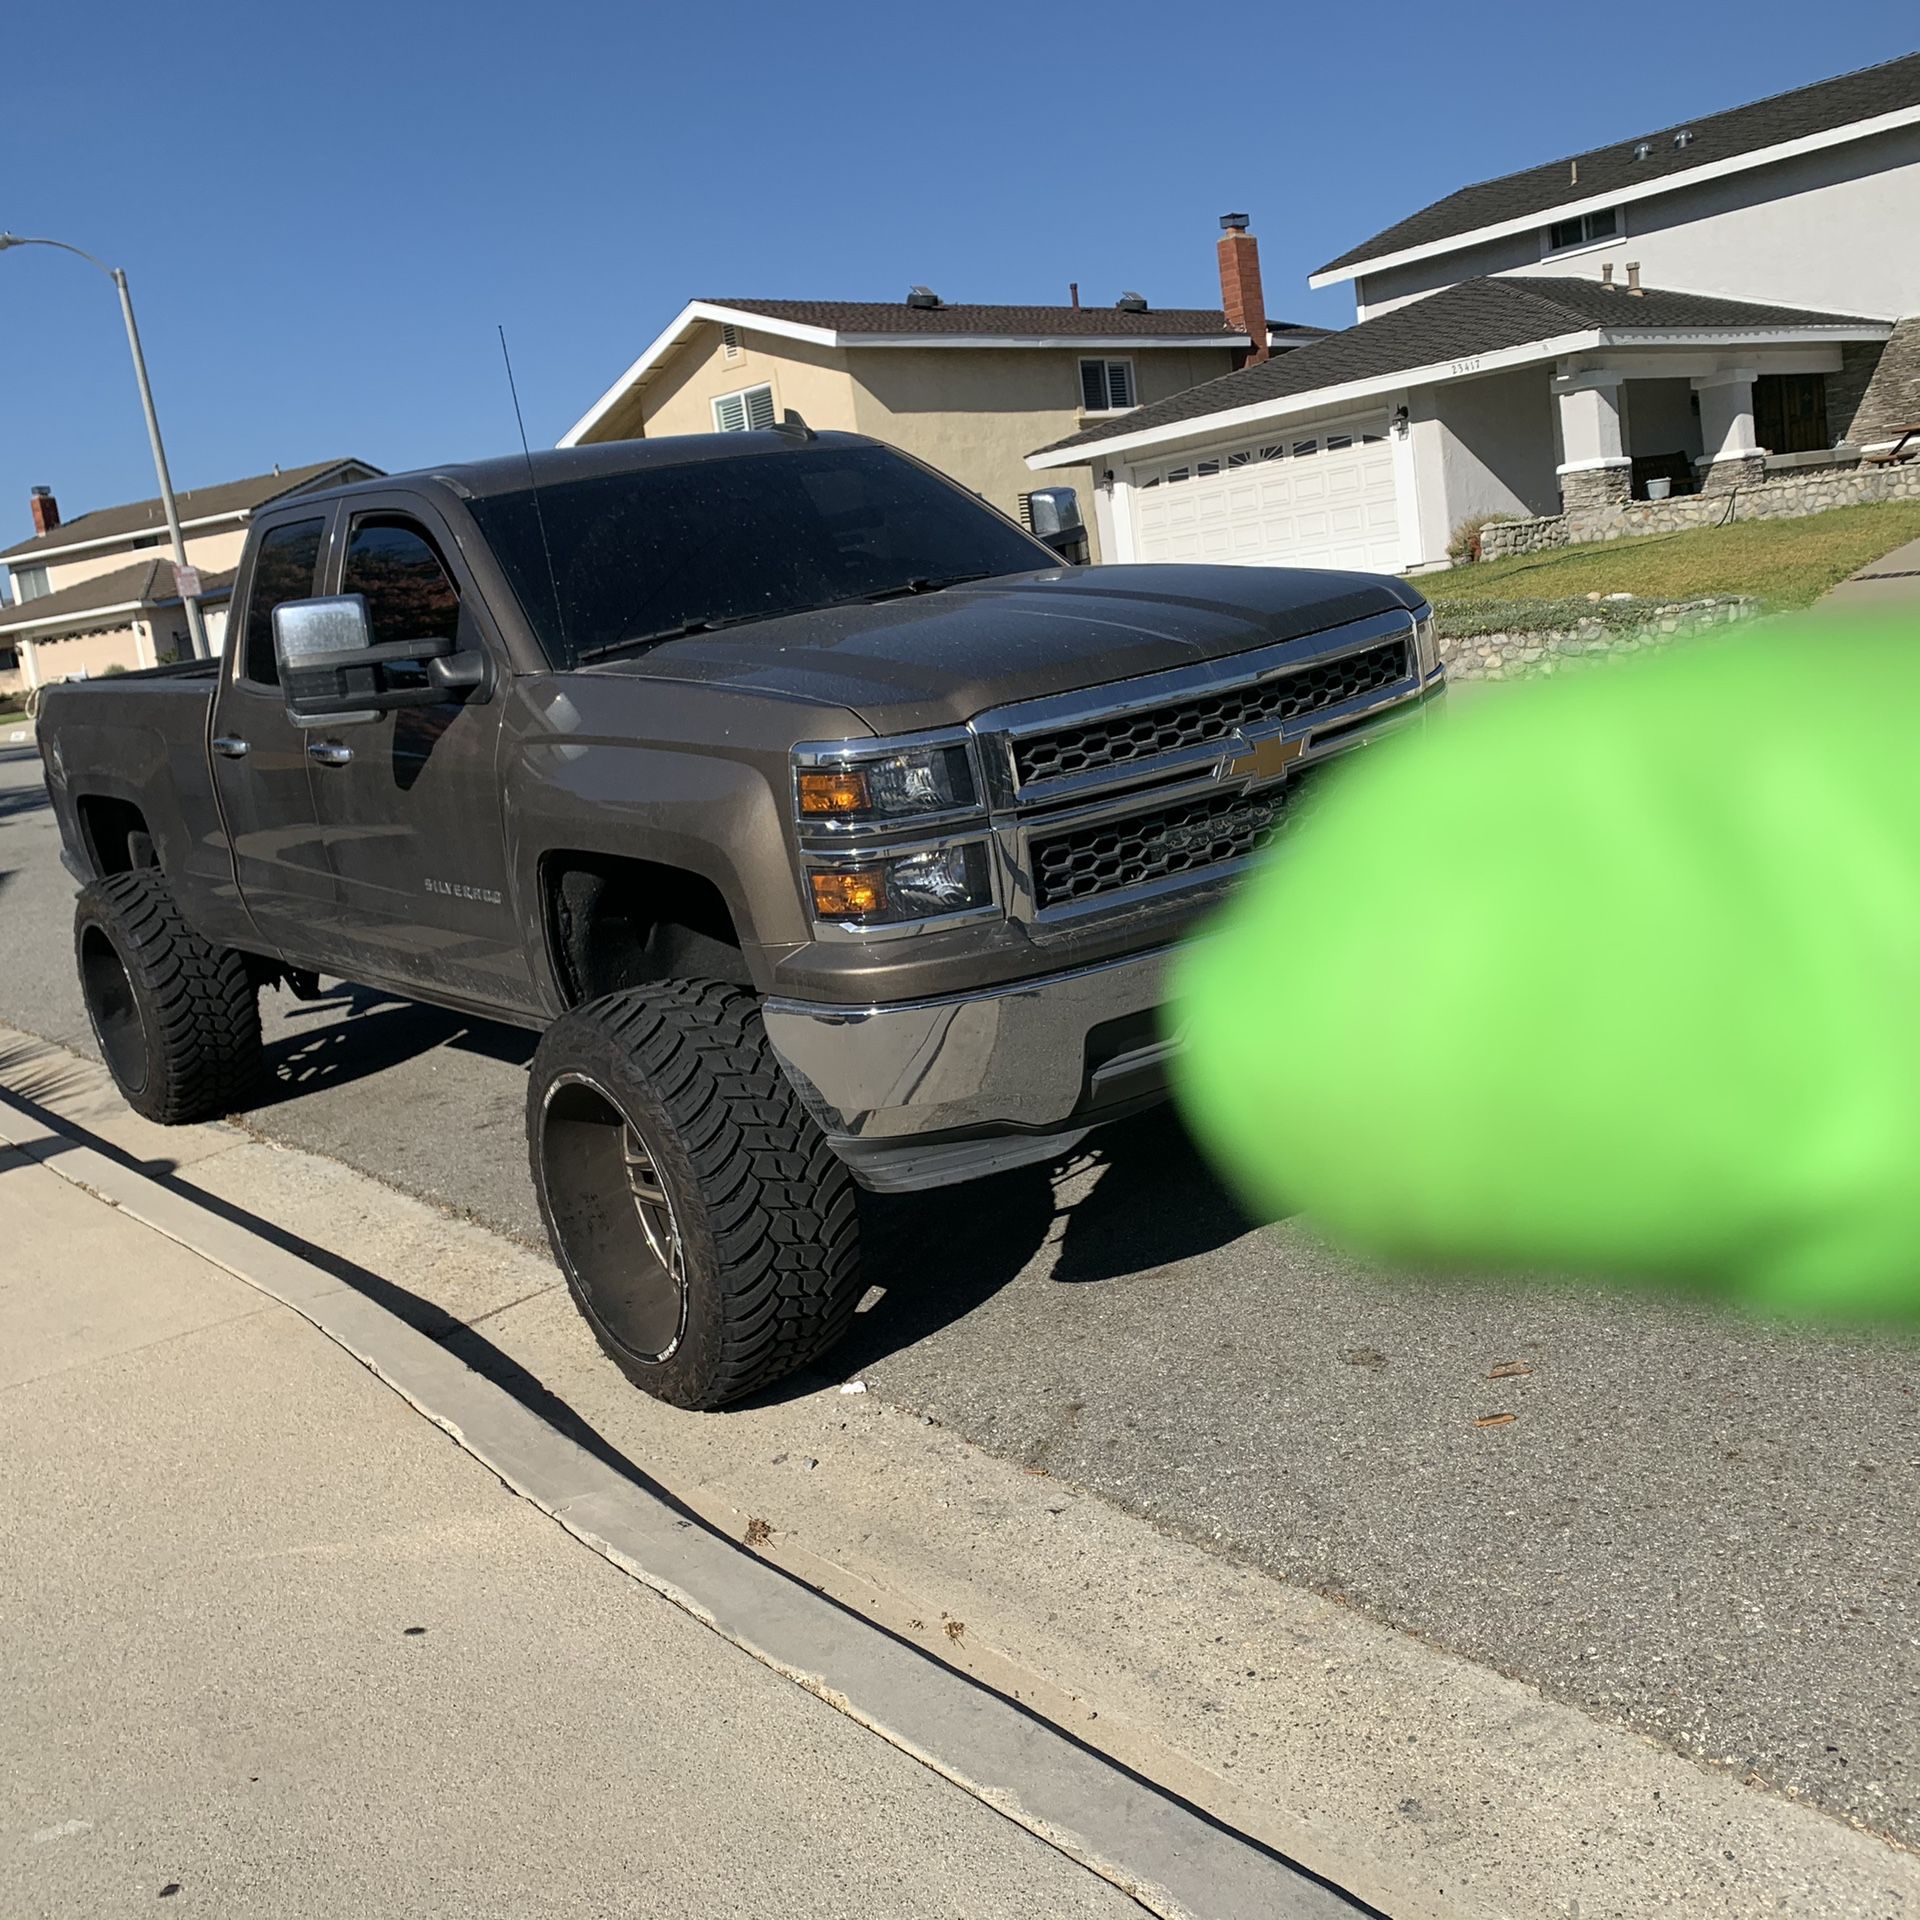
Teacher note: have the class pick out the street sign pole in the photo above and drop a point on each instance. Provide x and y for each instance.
(186, 577)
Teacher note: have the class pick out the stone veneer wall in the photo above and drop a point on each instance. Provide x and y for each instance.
(1788, 497)
(1877, 390)
(1507, 656)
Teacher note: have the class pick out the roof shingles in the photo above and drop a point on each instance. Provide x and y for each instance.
(197, 503)
(1061, 323)
(148, 583)
(1475, 317)
(1820, 108)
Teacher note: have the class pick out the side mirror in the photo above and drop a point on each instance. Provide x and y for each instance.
(1055, 514)
(333, 675)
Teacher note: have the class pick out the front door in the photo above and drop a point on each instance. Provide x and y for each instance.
(411, 804)
(260, 762)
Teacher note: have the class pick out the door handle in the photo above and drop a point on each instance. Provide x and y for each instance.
(230, 745)
(330, 753)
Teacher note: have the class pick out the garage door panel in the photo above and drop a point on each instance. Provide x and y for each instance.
(1321, 494)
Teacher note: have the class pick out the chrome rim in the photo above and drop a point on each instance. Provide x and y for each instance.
(602, 1181)
(113, 1010)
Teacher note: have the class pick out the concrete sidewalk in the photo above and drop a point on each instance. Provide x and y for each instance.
(1891, 581)
(275, 1645)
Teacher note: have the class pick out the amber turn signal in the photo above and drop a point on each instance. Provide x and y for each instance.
(849, 893)
(841, 790)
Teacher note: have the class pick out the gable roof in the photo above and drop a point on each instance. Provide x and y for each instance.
(147, 583)
(1825, 112)
(1474, 318)
(892, 323)
(197, 503)
(890, 317)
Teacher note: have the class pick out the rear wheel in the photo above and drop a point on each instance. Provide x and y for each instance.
(705, 1227)
(177, 1020)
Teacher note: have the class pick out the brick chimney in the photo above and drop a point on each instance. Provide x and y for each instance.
(46, 510)
(1240, 291)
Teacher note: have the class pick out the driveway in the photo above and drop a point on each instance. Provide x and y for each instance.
(1695, 1527)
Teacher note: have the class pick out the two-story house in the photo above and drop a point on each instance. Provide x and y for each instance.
(967, 388)
(98, 592)
(1729, 304)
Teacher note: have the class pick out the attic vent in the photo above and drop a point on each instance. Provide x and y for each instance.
(1131, 303)
(1642, 149)
(1684, 138)
(730, 342)
(923, 297)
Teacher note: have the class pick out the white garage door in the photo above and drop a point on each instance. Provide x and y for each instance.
(1321, 495)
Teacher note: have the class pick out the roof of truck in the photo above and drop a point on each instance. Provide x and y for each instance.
(554, 466)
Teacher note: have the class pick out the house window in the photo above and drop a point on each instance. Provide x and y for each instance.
(730, 342)
(1790, 412)
(748, 412)
(1206, 469)
(1336, 441)
(1301, 448)
(29, 583)
(9, 659)
(1106, 386)
(1583, 230)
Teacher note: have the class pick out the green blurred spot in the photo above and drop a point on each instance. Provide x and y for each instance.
(1611, 974)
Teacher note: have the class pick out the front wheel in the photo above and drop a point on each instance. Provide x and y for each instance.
(705, 1228)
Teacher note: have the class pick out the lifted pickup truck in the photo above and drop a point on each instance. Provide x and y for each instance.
(827, 827)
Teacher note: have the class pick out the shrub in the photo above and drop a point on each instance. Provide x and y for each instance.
(1463, 545)
(107, 673)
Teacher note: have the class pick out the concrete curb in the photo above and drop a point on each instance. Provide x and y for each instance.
(1169, 1857)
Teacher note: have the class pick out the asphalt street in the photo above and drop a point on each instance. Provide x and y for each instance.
(1693, 1526)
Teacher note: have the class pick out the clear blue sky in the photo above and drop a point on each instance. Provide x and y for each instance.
(325, 210)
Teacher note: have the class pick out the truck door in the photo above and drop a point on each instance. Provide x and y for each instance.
(411, 804)
(260, 763)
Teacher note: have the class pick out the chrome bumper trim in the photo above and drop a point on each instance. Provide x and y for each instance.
(1012, 1057)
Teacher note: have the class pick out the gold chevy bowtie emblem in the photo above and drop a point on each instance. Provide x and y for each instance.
(1266, 760)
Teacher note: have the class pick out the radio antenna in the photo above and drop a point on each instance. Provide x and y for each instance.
(533, 487)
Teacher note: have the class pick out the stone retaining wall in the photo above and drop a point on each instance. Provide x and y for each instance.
(1788, 497)
(1506, 656)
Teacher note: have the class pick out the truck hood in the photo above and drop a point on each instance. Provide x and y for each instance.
(941, 658)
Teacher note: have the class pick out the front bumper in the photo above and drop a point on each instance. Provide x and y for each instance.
(930, 1092)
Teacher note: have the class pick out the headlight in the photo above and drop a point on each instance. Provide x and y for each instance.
(880, 890)
(1426, 641)
(859, 785)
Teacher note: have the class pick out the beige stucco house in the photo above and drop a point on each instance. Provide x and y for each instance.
(967, 388)
(1609, 343)
(98, 592)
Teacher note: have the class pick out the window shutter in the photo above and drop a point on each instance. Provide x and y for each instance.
(759, 408)
(1119, 383)
(1093, 385)
(730, 412)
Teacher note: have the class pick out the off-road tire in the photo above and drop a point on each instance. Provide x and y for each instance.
(177, 1020)
(768, 1240)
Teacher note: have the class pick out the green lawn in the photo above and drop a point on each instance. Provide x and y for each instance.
(1785, 563)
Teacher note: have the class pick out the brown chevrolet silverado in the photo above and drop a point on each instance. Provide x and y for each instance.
(827, 827)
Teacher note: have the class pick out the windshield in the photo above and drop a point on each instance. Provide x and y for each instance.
(648, 555)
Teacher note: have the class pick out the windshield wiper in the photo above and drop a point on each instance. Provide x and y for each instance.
(637, 642)
(924, 584)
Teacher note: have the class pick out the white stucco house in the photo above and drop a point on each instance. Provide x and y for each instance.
(1728, 304)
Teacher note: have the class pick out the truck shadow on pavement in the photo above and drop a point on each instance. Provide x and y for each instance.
(350, 1033)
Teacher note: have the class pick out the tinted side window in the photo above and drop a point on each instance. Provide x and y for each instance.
(282, 570)
(409, 594)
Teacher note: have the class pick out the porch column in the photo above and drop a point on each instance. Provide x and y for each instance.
(29, 662)
(1733, 456)
(1594, 469)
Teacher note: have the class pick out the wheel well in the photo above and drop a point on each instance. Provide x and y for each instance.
(615, 923)
(116, 834)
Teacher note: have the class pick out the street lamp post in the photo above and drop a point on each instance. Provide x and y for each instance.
(196, 626)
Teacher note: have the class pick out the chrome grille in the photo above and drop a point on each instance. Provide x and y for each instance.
(1084, 862)
(1114, 740)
